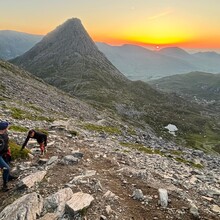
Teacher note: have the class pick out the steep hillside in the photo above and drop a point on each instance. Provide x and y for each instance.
(96, 166)
(13, 43)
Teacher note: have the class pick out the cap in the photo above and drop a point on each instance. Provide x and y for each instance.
(3, 125)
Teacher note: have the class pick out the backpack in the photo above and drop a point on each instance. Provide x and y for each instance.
(2, 144)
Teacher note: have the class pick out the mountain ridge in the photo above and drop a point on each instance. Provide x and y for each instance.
(148, 65)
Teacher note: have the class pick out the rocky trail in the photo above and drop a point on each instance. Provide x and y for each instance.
(114, 181)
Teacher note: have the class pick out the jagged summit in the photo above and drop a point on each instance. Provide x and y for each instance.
(73, 37)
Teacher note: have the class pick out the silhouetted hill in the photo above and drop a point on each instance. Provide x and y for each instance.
(13, 43)
(175, 52)
(138, 63)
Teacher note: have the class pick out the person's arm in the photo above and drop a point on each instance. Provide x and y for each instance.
(25, 142)
(45, 140)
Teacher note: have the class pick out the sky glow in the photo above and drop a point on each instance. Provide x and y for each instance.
(183, 23)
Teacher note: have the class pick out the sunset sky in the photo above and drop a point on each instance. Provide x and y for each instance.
(183, 23)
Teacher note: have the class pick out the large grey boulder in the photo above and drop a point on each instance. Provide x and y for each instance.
(56, 202)
(27, 207)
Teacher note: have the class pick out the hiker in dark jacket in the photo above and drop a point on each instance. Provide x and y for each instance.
(40, 137)
(4, 149)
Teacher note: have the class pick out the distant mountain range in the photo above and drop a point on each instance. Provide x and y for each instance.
(135, 62)
(13, 43)
(138, 63)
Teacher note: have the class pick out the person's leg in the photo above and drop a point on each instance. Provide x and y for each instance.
(42, 148)
(5, 175)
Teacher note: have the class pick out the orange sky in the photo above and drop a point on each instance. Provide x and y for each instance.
(188, 24)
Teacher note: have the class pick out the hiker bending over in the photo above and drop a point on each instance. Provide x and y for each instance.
(4, 152)
(40, 137)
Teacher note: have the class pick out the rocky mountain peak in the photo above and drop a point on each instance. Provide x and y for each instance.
(70, 37)
(68, 58)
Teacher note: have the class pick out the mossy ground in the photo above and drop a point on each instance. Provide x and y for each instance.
(16, 152)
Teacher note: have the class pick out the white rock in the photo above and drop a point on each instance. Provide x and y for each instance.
(30, 180)
(27, 207)
(79, 201)
(163, 197)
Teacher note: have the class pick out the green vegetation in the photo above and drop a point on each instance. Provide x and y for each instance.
(20, 114)
(99, 128)
(141, 148)
(42, 130)
(195, 165)
(175, 152)
(208, 142)
(148, 150)
(16, 152)
(17, 128)
(35, 108)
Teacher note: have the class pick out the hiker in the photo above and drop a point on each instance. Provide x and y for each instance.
(40, 137)
(4, 149)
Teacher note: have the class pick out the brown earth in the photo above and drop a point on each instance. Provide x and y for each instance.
(122, 185)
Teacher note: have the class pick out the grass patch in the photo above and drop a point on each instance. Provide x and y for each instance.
(175, 152)
(20, 114)
(16, 152)
(195, 165)
(99, 128)
(17, 128)
(141, 148)
(32, 106)
(41, 130)
(208, 143)
(17, 113)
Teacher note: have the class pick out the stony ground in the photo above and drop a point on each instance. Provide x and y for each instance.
(115, 169)
(122, 169)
